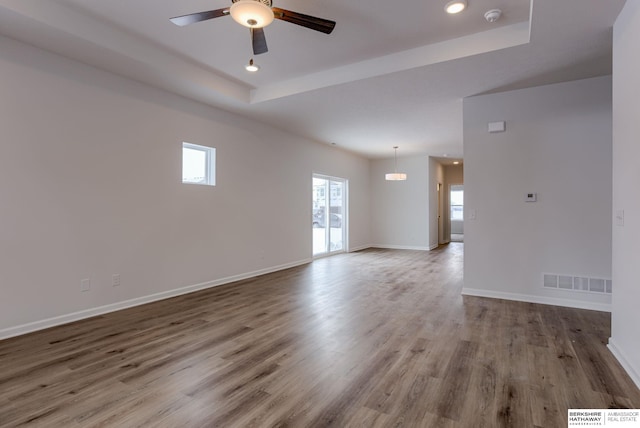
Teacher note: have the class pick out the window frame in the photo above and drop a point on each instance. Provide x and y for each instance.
(210, 163)
(452, 205)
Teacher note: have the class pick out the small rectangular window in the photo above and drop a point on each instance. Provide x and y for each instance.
(457, 203)
(198, 164)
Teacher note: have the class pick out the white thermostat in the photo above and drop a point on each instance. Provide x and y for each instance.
(530, 197)
(494, 127)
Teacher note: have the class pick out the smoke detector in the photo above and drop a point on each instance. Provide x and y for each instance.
(493, 15)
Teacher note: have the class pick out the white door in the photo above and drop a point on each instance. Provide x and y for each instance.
(328, 218)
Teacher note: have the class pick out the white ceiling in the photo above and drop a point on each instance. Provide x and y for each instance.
(391, 73)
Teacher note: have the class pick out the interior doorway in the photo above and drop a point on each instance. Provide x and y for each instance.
(456, 212)
(329, 215)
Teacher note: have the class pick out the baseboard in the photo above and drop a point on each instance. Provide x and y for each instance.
(624, 362)
(359, 248)
(603, 307)
(401, 247)
(100, 310)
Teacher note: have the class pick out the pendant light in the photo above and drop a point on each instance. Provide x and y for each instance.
(395, 175)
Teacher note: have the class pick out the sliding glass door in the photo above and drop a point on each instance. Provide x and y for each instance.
(328, 219)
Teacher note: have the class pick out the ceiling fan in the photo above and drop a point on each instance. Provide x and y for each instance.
(257, 14)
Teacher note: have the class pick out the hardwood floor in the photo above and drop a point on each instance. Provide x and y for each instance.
(378, 338)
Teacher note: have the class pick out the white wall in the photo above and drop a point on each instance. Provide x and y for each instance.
(454, 174)
(90, 186)
(558, 144)
(400, 209)
(625, 336)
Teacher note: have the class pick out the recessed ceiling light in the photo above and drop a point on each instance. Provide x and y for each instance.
(456, 162)
(251, 66)
(455, 6)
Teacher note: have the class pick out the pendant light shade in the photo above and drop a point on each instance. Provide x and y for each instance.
(395, 175)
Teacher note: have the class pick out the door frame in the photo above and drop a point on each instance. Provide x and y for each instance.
(345, 215)
(441, 239)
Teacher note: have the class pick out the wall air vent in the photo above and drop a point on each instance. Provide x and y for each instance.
(577, 283)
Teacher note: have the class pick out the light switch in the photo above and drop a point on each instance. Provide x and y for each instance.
(472, 214)
(620, 218)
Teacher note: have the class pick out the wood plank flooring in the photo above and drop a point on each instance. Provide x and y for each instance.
(378, 338)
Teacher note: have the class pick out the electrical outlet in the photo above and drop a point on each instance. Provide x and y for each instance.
(85, 284)
(115, 280)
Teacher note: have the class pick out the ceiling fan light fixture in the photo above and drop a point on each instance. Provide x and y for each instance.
(252, 67)
(455, 6)
(251, 13)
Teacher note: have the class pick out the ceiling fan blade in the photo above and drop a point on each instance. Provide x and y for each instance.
(258, 41)
(200, 16)
(323, 25)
